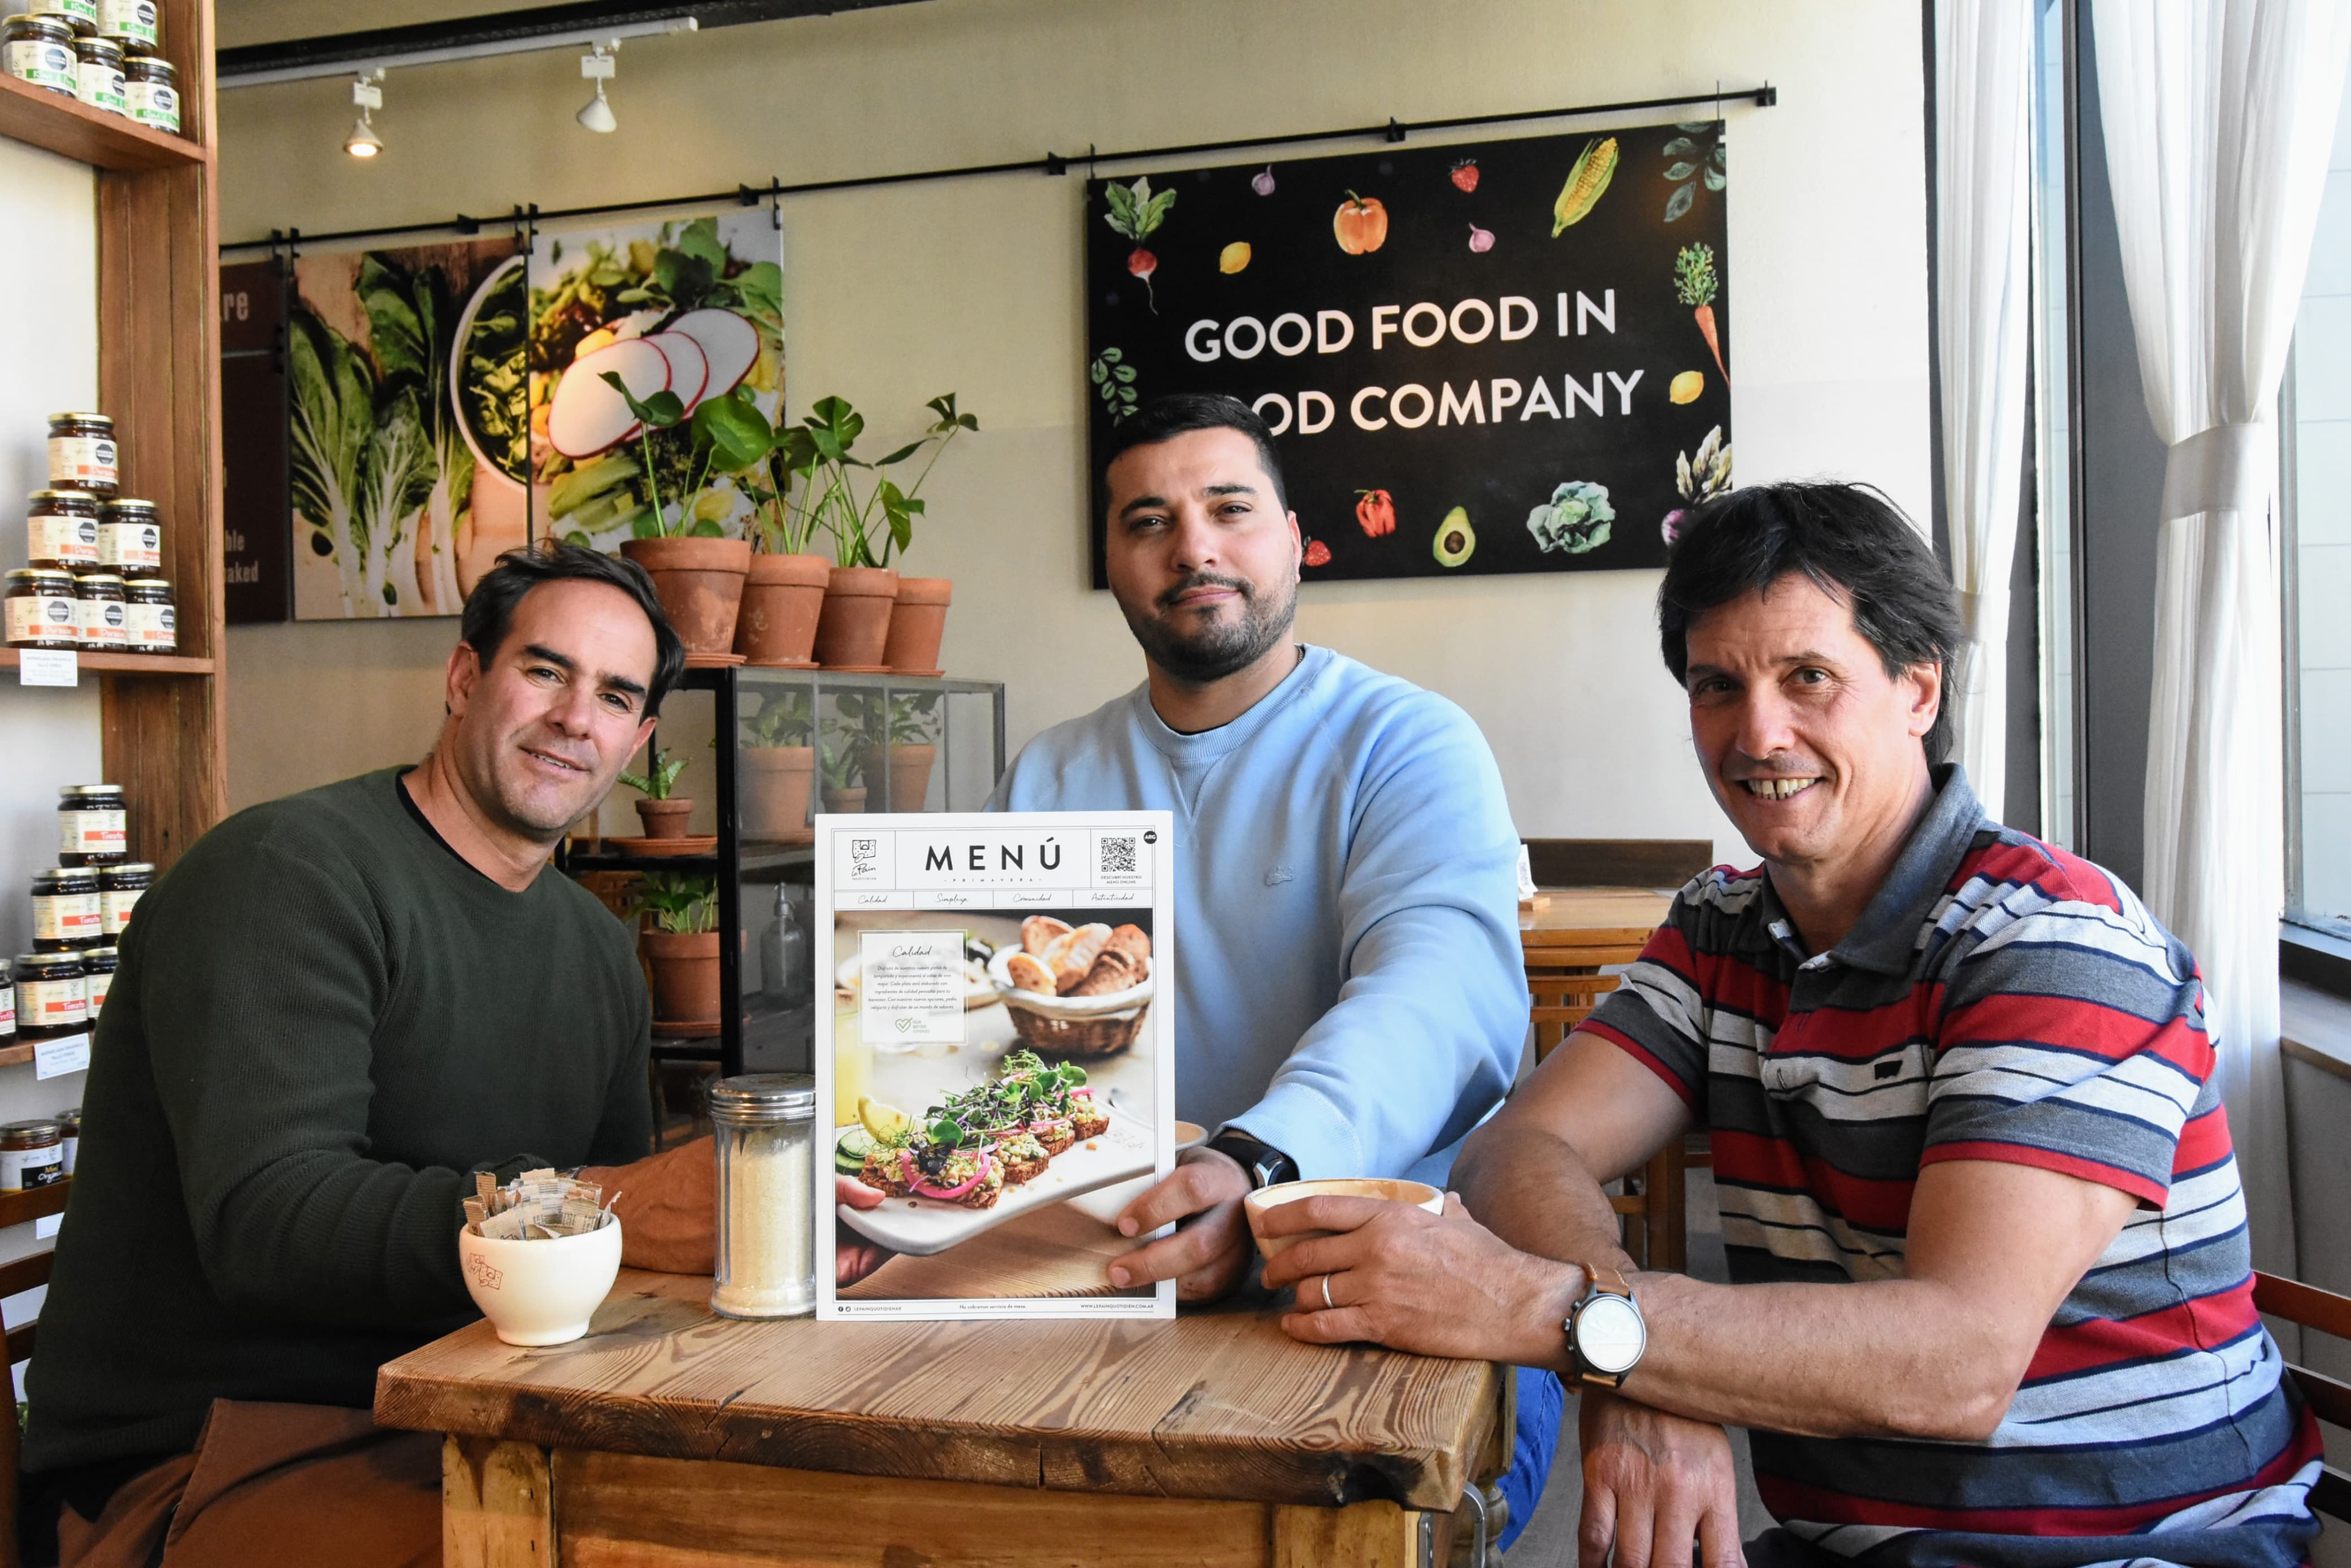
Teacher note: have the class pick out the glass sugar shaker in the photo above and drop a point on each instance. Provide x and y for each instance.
(764, 1127)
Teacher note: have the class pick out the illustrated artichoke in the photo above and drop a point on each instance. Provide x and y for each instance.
(1575, 519)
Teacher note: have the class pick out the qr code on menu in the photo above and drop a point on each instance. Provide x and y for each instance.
(1118, 856)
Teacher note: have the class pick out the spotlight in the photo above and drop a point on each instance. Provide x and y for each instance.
(363, 143)
(596, 114)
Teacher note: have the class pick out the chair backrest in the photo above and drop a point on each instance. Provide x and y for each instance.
(2328, 1397)
(16, 1278)
(1617, 862)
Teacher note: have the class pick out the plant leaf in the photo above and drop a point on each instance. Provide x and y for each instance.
(901, 455)
(736, 432)
(1680, 171)
(1714, 180)
(1680, 202)
(1678, 145)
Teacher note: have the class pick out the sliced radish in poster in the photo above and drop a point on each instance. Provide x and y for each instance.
(689, 367)
(588, 416)
(729, 342)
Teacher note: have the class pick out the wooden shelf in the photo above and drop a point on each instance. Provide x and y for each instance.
(65, 125)
(127, 663)
(34, 1203)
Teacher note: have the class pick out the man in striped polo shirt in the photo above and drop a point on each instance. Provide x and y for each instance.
(1992, 1298)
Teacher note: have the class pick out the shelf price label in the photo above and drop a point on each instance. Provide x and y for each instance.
(48, 667)
(56, 1057)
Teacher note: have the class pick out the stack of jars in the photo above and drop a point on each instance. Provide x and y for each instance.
(80, 907)
(94, 578)
(106, 52)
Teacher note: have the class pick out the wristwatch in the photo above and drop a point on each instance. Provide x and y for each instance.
(1605, 1331)
(1265, 1164)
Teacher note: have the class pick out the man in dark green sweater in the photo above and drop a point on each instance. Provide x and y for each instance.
(332, 1011)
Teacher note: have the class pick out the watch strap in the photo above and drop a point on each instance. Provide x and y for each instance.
(1266, 1164)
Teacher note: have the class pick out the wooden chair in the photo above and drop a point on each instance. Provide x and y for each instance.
(2329, 1398)
(1564, 978)
(21, 1275)
(1617, 862)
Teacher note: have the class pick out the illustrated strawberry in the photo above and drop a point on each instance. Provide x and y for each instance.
(1375, 512)
(1465, 176)
(1317, 553)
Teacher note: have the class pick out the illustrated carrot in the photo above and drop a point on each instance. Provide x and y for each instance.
(1696, 285)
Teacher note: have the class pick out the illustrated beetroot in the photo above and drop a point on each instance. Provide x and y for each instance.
(1480, 240)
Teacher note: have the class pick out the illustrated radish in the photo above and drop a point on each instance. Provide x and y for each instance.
(689, 367)
(729, 343)
(1480, 240)
(1143, 264)
(588, 416)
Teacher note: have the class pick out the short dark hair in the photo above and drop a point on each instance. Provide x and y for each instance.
(1852, 542)
(489, 609)
(1164, 418)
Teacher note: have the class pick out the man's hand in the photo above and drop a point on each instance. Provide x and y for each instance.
(1399, 1276)
(668, 1208)
(853, 1257)
(1651, 1484)
(1209, 1255)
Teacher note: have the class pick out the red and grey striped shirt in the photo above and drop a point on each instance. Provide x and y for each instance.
(1999, 1000)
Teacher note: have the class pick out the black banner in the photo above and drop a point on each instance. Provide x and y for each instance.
(1505, 357)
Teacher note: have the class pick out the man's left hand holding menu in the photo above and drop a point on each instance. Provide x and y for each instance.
(332, 1012)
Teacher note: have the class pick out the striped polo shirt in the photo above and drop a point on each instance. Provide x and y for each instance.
(1997, 1000)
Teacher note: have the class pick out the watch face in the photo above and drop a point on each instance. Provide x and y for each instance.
(1610, 1335)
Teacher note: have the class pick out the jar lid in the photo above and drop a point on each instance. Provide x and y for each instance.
(47, 960)
(62, 873)
(94, 46)
(765, 1097)
(101, 956)
(138, 59)
(40, 21)
(148, 585)
(36, 1127)
(70, 499)
(105, 419)
(70, 790)
(36, 574)
(71, 1120)
(99, 578)
(129, 868)
(123, 503)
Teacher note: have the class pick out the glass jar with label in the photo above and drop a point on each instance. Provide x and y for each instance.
(97, 965)
(67, 912)
(51, 1000)
(98, 74)
(40, 50)
(130, 22)
(105, 619)
(69, 1127)
(81, 16)
(82, 453)
(8, 1003)
(32, 1154)
(40, 608)
(93, 825)
(151, 93)
(61, 528)
(119, 887)
(130, 537)
(152, 622)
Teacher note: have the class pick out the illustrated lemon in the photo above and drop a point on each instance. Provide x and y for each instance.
(884, 1121)
(1687, 386)
(1233, 258)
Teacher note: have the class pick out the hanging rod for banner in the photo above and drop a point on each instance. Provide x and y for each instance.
(1762, 97)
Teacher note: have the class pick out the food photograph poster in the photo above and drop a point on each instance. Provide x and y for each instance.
(998, 1065)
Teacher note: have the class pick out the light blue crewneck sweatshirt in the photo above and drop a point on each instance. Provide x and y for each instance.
(1348, 981)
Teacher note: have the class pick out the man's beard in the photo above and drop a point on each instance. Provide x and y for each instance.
(1222, 647)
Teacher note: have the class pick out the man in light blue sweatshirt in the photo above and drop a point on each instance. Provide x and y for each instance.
(1349, 995)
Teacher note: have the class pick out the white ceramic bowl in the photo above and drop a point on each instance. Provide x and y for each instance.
(1419, 1193)
(540, 1292)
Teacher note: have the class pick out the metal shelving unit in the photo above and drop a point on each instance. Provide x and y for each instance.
(958, 782)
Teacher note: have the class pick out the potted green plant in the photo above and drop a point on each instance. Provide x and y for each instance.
(918, 616)
(664, 812)
(779, 765)
(698, 571)
(678, 934)
(901, 739)
(843, 764)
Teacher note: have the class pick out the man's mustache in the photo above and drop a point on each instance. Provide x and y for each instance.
(1205, 580)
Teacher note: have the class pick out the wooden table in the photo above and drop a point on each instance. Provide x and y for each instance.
(668, 1436)
(1591, 917)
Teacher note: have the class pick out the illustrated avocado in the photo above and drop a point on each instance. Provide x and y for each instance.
(1454, 537)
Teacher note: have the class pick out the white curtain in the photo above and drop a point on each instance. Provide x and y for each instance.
(1983, 147)
(2217, 116)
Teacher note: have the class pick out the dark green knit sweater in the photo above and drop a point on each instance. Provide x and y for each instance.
(323, 1018)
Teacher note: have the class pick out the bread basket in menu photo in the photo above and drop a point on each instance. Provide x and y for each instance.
(1076, 991)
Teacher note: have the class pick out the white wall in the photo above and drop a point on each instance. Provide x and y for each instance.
(895, 295)
(48, 361)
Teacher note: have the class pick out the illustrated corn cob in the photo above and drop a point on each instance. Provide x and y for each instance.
(1594, 167)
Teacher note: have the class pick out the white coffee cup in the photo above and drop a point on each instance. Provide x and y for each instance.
(1389, 1189)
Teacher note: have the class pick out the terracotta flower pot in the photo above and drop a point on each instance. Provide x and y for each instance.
(781, 600)
(910, 773)
(854, 630)
(700, 581)
(664, 818)
(844, 800)
(917, 622)
(776, 781)
(686, 975)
